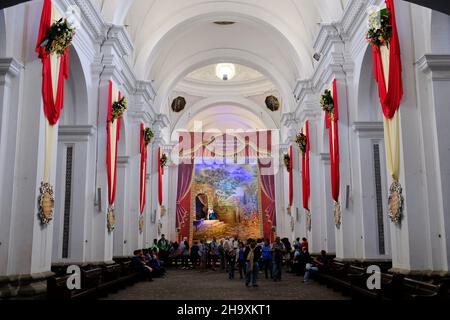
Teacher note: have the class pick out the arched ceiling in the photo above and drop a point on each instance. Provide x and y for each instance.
(176, 41)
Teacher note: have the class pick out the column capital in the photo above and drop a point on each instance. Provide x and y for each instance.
(9, 67)
(436, 65)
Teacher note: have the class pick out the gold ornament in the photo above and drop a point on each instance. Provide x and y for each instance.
(396, 201)
(46, 203)
(111, 219)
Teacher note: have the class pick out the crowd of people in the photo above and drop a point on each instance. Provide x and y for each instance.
(247, 258)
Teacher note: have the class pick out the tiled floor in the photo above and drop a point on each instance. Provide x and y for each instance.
(215, 285)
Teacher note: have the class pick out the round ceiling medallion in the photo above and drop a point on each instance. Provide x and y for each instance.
(272, 103)
(178, 104)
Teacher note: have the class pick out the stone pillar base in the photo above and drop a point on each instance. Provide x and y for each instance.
(24, 287)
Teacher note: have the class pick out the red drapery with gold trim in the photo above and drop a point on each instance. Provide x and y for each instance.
(52, 105)
(291, 177)
(333, 129)
(160, 174)
(111, 159)
(306, 182)
(391, 95)
(143, 173)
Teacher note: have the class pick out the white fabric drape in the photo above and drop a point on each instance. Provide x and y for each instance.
(391, 128)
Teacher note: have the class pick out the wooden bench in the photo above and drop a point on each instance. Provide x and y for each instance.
(110, 279)
(90, 279)
(417, 290)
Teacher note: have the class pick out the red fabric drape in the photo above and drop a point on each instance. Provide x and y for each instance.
(268, 200)
(391, 96)
(185, 176)
(52, 105)
(291, 178)
(160, 173)
(333, 129)
(112, 180)
(306, 182)
(143, 173)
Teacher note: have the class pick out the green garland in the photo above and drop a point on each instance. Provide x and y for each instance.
(59, 37)
(119, 108)
(302, 142)
(164, 160)
(327, 102)
(380, 29)
(287, 162)
(148, 136)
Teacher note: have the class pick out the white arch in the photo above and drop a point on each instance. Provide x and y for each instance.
(238, 101)
(218, 55)
(184, 19)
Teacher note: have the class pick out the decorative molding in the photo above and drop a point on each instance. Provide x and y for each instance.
(75, 133)
(9, 68)
(92, 20)
(369, 129)
(437, 65)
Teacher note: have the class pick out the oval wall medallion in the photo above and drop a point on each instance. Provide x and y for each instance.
(272, 103)
(178, 104)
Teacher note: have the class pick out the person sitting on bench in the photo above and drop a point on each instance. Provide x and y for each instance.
(138, 263)
(318, 265)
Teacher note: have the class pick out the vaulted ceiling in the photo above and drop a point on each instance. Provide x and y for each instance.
(177, 39)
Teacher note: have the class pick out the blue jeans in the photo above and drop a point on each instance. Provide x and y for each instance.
(277, 269)
(309, 268)
(252, 276)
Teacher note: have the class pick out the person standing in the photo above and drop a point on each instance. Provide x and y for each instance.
(231, 259)
(184, 249)
(267, 259)
(214, 252)
(278, 250)
(241, 260)
(252, 256)
(202, 253)
(194, 254)
(163, 246)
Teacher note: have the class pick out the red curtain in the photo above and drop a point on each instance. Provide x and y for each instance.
(143, 185)
(291, 178)
(112, 180)
(52, 105)
(160, 174)
(390, 97)
(185, 175)
(268, 200)
(306, 182)
(333, 129)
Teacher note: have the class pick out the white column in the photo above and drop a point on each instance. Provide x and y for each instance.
(79, 138)
(315, 235)
(10, 70)
(324, 188)
(434, 95)
(410, 239)
(123, 245)
(369, 135)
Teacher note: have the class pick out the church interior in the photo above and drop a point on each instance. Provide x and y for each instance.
(126, 121)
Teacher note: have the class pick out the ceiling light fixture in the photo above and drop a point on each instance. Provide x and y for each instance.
(225, 71)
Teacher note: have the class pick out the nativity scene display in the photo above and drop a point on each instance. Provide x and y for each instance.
(226, 202)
